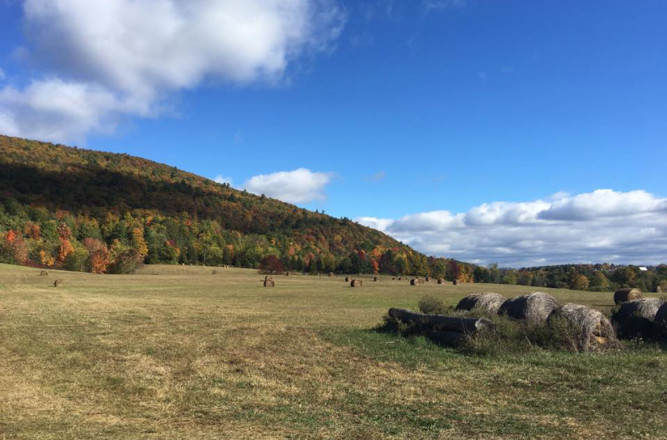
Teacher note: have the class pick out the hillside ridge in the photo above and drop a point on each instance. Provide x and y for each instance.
(132, 205)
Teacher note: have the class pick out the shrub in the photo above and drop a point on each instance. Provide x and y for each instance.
(432, 306)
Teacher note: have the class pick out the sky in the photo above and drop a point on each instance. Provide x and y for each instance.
(492, 131)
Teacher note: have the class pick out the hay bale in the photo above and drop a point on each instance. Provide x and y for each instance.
(427, 279)
(660, 323)
(43, 273)
(269, 283)
(441, 281)
(286, 274)
(375, 278)
(591, 329)
(533, 308)
(486, 302)
(331, 274)
(268, 278)
(456, 282)
(348, 279)
(393, 278)
(634, 319)
(416, 282)
(658, 289)
(356, 283)
(623, 295)
(57, 283)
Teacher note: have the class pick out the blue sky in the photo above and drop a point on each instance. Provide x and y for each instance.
(391, 112)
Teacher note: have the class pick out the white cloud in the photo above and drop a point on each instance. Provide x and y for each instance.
(298, 186)
(58, 110)
(222, 179)
(604, 225)
(144, 50)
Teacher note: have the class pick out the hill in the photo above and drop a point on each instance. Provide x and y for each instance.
(88, 210)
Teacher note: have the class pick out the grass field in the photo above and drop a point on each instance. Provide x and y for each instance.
(185, 353)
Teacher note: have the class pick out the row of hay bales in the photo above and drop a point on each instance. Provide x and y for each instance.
(592, 328)
(643, 318)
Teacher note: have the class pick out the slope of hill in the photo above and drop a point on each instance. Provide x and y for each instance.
(83, 209)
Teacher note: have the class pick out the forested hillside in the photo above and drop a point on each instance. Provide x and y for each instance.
(87, 210)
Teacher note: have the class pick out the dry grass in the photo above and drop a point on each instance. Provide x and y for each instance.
(181, 353)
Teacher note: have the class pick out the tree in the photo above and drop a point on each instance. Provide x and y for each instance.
(271, 264)
(98, 255)
(579, 282)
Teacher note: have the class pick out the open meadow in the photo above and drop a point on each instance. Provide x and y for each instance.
(179, 352)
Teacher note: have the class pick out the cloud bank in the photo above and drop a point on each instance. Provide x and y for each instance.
(113, 58)
(600, 226)
(298, 186)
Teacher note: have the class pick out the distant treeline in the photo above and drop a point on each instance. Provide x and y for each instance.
(592, 277)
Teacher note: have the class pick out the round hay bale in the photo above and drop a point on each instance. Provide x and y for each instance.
(441, 281)
(658, 289)
(355, 283)
(57, 283)
(331, 274)
(634, 319)
(660, 322)
(269, 283)
(375, 278)
(486, 302)
(268, 277)
(400, 278)
(456, 282)
(416, 282)
(286, 274)
(43, 273)
(393, 278)
(533, 308)
(590, 329)
(348, 279)
(623, 295)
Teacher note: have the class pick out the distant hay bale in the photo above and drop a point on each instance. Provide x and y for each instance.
(57, 283)
(393, 278)
(416, 282)
(268, 278)
(486, 302)
(269, 283)
(400, 278)
(286, 274)
(456, 282)
(590, 329)
(356, 283)
(427, 279)
(658, 289)
(348, 279)
(331, 274)
(441, 281)
(623, 295)
(43, 273)
(375, 278)
(533, 308)
(634, 319)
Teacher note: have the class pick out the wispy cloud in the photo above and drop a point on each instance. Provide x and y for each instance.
(441, 5)
(298, 186)
(603, 225)
(223, 179)
(380, 175)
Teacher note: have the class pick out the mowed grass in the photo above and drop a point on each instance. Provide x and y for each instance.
(185, 353)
